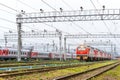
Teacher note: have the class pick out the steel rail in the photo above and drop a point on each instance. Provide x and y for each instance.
(29, 71)
(86, 75)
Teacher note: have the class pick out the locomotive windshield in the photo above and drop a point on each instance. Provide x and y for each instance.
(81, 47)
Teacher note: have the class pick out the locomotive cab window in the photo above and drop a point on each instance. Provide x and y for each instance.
(81, 48)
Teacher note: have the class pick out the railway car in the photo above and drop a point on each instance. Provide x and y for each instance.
(88, 53)
(12, 53)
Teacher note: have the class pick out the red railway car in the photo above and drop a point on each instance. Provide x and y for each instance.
(12, 54)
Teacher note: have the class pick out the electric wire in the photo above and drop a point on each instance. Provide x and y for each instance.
(102, 20)
(6, 28)
(7, 12)
(71, 21)
(43, 23)
(48, 5)
(10, 13)
(7, 20)
(27, 5)
(9, 7)
(112, 22)
(67, 4)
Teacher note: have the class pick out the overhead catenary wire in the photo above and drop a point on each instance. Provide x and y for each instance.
(7, 12)
(56, 28)
(71, 21)
(102, 20)
(6, 28)
(27, 5)
(113, 24)
(48, 5)
(81, 28)
(55, 10)
(102, 5)
(94, 6)
(67, 4)
(43, 23)
(9, 7)
(7, 20)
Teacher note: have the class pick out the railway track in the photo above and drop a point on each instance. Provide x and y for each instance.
(30, 64)
(88, 74)
(25, 64)
(29, 71)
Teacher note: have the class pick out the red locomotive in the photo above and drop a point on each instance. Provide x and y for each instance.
(88, 53)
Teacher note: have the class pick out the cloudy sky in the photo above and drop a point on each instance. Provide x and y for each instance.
(8, 13)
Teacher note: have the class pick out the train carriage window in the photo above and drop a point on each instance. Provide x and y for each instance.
(14, 52)
(9, 52)
(22, 53)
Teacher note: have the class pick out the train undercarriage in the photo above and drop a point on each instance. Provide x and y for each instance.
(88, 58)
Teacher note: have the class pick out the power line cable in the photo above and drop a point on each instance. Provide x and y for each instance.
(7, 12)
(111, 21)
(67, 4)
(43, 23)
(27, 5)
(7, 20)
(8, 7)
(6, 27)
(72, 21)
(48, 5)
(12, 13)
(81, 28)
(56, 28)
(56, 10)
(102, 20)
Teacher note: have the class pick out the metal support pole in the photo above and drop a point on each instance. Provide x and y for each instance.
(19, 41)
(112, 51)
(47, 46)
(5, 41)
(65, 47)
(60, 44)
(115, 49)
(53, 46)
(68, 48)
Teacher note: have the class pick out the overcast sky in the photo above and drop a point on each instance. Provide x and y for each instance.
(8, 16)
